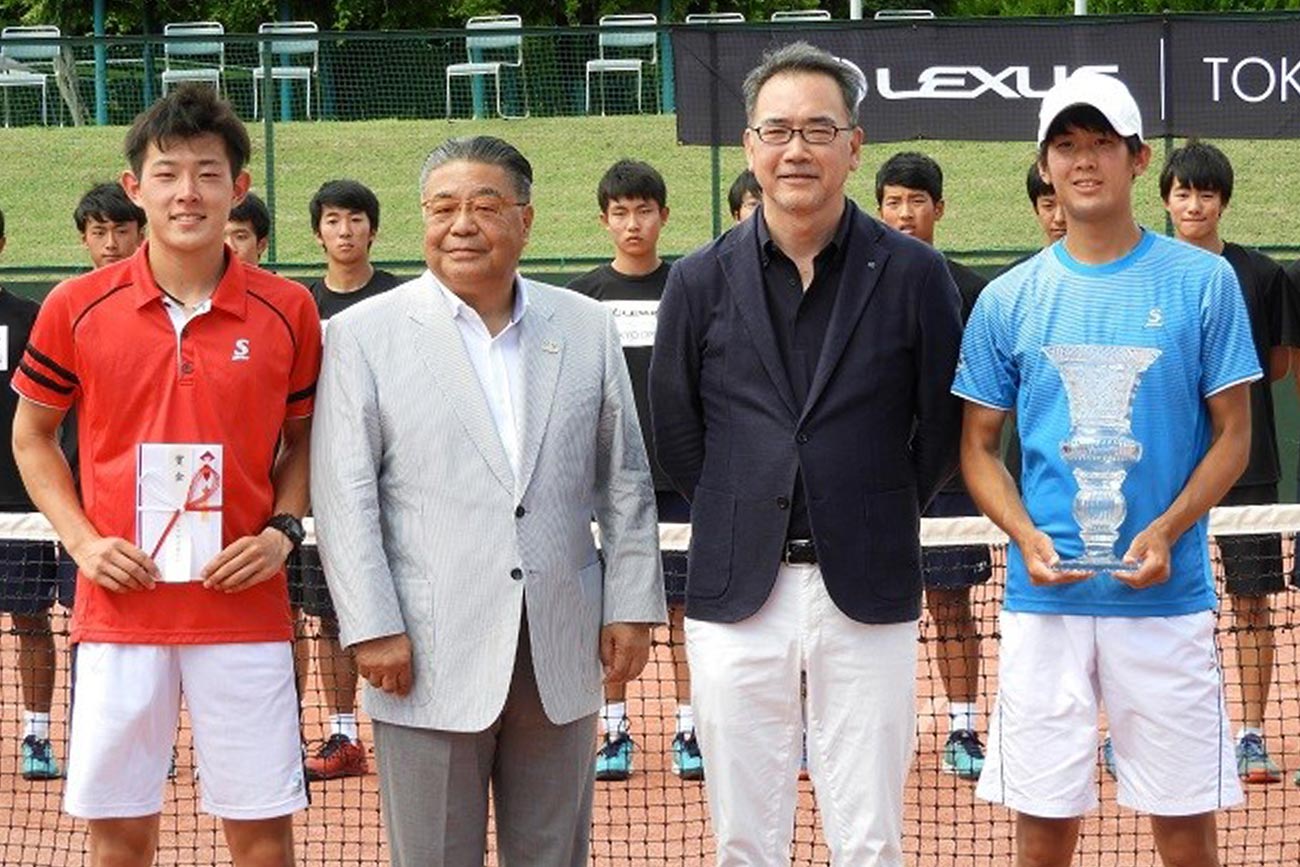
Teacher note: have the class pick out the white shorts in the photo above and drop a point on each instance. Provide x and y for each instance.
(243, 708)
(1158, 678)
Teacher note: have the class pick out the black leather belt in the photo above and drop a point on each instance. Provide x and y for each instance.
(800, 551)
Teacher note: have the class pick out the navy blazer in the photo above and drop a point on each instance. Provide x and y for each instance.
(877, 437)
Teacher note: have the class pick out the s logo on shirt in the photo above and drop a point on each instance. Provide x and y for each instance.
(241, 350)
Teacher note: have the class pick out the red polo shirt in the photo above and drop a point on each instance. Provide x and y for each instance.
(105, 342)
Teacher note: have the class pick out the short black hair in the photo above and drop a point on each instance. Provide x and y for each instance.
(1084, 117)
(631, 179)
(189, 111)
(107, 203)
(347, 194)
(1035, 186)
(1197, 164)
(252, 210)
(745, 182)
(913, 170)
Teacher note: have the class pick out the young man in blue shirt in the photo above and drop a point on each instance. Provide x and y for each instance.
(1140, 640)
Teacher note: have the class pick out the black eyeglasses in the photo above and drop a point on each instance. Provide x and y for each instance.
(816, 134)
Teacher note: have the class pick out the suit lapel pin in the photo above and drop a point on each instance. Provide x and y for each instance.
(550, 346)
(871, 265)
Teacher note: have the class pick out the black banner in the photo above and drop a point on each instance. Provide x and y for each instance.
(1213, 77)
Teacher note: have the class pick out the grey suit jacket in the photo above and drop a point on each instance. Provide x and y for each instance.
(424, 529)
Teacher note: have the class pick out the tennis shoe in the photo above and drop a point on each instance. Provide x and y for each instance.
(38, 759)
(1253, 762)
(340, 756)
(687, 761)
(614, 758)
(963, 755)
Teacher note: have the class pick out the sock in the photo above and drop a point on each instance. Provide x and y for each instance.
(961, 716)
(344, 724)
(613, 717)
(1248, 730)
(685, 719)
(36, 724)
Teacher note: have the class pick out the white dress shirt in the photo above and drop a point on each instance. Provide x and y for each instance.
(497, 362)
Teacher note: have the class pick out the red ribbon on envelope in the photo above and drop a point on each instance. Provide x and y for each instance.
(203, 486)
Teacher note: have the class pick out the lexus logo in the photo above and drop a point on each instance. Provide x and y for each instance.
(972, 82)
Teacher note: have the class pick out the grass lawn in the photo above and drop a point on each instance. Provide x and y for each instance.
(46, 170)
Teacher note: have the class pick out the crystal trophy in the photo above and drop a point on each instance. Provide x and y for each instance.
(1100, 383)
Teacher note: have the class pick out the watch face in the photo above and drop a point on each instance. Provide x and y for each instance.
(290, 526)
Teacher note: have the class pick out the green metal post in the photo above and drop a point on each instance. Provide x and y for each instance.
(667, 88)
(149, 26)
(1169, 221)
(286, 86)
(268, 129)
(101, 66)
(715, 170)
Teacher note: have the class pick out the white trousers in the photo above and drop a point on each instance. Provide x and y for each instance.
(861, 718)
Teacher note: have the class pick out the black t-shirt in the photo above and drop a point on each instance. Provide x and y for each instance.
(610, 287)
(1273, 322)
(970, 284)
(17, 315)
(329, 302)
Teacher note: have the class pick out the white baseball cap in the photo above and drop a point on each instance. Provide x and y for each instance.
(1105, 93)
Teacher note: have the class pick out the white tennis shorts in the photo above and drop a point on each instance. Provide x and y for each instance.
(1158, 678)
(243, 708)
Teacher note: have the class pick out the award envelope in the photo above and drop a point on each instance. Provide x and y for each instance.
(178, 506)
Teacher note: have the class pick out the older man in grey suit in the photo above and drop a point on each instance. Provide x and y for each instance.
(468, 425)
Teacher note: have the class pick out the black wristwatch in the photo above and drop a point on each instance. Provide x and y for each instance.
(290, 527)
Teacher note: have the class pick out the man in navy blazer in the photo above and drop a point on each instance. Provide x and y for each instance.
(799, 394)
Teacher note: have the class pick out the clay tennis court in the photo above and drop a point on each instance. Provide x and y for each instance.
(655, 819)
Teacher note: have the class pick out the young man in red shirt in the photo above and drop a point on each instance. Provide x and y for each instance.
(193, 375)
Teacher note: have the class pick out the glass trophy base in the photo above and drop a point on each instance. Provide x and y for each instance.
(1094, 564)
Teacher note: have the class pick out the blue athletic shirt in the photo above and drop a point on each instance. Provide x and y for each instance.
(1163, 294)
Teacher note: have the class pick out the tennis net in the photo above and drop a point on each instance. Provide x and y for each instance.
(653, 817)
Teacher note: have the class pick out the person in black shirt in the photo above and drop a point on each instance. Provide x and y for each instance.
(28, 582)
(1051, 218)
(909, 194)
(1196, 186)
(744, 196)
(1042, 197)
(633, 200)
(111, 226)
(248, 228)
(345, 220)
